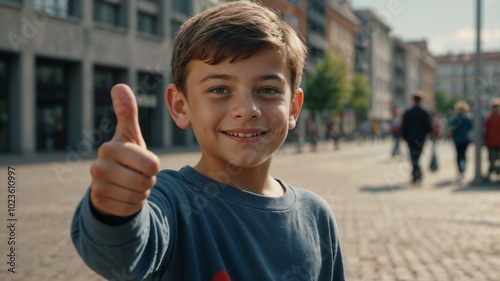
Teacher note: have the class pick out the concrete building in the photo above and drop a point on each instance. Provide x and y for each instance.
(427, 68)
(341, 29)
(374, 59)
(406, 73)
(60, 58)
(316, 31)
(294, 12)
(455, 74)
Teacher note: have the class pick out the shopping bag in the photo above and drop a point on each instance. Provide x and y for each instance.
(434, 162)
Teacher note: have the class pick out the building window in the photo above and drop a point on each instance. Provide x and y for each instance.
(104, 117)
(108, 13)
(147, 23)
(148, 93)
(51, 99)
(4, 102)
(182, 6)
(60, 8)
(12, 1)
(174, 28)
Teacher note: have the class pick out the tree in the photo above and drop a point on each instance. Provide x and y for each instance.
(445, 104)
(327, 88)
(360, 100)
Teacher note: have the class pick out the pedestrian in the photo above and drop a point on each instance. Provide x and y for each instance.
(492, 138)
(313, 134)
(396, 132)
(414, 130)
(460, 128)
(333, 132)
(236, 71)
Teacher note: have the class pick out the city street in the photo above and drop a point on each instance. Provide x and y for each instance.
(389, 229)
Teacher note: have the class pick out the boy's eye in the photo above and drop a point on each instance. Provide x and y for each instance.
(219, 90)
(268, 91)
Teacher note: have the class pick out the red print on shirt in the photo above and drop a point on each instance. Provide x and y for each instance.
(221, 276)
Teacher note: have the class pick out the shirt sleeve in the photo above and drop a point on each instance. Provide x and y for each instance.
(135, 248)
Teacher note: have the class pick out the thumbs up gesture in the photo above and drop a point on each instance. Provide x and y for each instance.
(125, 170)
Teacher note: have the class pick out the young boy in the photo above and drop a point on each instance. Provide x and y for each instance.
(236, 71)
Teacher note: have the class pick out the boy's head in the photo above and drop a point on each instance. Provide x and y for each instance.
(235, 31)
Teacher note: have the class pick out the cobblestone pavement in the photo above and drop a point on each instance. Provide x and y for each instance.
(389, 229)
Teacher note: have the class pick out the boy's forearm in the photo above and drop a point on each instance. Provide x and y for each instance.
(119, 249)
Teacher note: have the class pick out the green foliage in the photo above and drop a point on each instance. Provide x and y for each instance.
(360, 100)
(328, 87)
(445, 103)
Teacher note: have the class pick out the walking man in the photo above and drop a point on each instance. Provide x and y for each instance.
(414, 129)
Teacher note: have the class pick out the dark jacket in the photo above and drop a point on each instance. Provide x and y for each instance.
(416, 124)
(461, 127)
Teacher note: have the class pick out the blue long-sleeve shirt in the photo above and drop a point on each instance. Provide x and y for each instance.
(461, 127)
(194, 228)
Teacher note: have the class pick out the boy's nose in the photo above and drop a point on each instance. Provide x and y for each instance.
(246, 107)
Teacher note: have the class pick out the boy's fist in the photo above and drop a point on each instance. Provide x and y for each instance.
(125, 170)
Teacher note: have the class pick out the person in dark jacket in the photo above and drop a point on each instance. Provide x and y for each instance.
(460, 127)
(415, 127)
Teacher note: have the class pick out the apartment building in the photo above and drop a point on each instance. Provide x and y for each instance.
(455, 74)
(406, 74)
(342, 26)
(374, 59)
(427, 68)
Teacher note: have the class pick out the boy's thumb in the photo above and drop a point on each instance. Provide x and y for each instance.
(127, 115)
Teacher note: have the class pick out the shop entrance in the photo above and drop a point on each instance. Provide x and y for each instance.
(51, 105)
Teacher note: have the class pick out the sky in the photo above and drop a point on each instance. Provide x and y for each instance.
(447, 25)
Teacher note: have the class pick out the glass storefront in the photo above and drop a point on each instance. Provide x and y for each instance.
(149, 97)
(104, 116)
(51, 105)
(4, 102)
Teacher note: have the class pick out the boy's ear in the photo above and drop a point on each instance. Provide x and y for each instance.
(296, 106)
(177, 105)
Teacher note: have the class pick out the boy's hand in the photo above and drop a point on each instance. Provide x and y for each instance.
(125, 170)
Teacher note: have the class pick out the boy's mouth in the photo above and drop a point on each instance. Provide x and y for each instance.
(244, 135)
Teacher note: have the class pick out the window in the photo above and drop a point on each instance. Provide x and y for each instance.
(182, 6)
(61, 8)
(107, 13)
(174, 28)
(12, 1)
(4, 108)
(52, 91)
(104, 117)
(147, 23)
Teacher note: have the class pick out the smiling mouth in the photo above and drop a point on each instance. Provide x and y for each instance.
(244, 135)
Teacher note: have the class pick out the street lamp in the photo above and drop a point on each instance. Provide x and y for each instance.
(478, 136)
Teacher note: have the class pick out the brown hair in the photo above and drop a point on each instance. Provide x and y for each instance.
(235, 31)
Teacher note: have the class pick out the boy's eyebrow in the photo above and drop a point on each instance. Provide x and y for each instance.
(273, 76)
(216, 77)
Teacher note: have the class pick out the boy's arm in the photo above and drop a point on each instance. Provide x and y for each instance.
(122, 177)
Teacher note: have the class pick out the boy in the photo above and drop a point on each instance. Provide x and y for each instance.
(236, 72)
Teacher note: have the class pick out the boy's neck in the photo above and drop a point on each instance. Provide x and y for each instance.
(256, 179)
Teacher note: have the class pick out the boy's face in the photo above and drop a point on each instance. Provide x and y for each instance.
(240, 112)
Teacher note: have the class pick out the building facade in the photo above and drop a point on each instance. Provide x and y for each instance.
(455, 74)
(60, 59)
(341, 29)
(427, 68)
(374, 50)
(406, 73)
